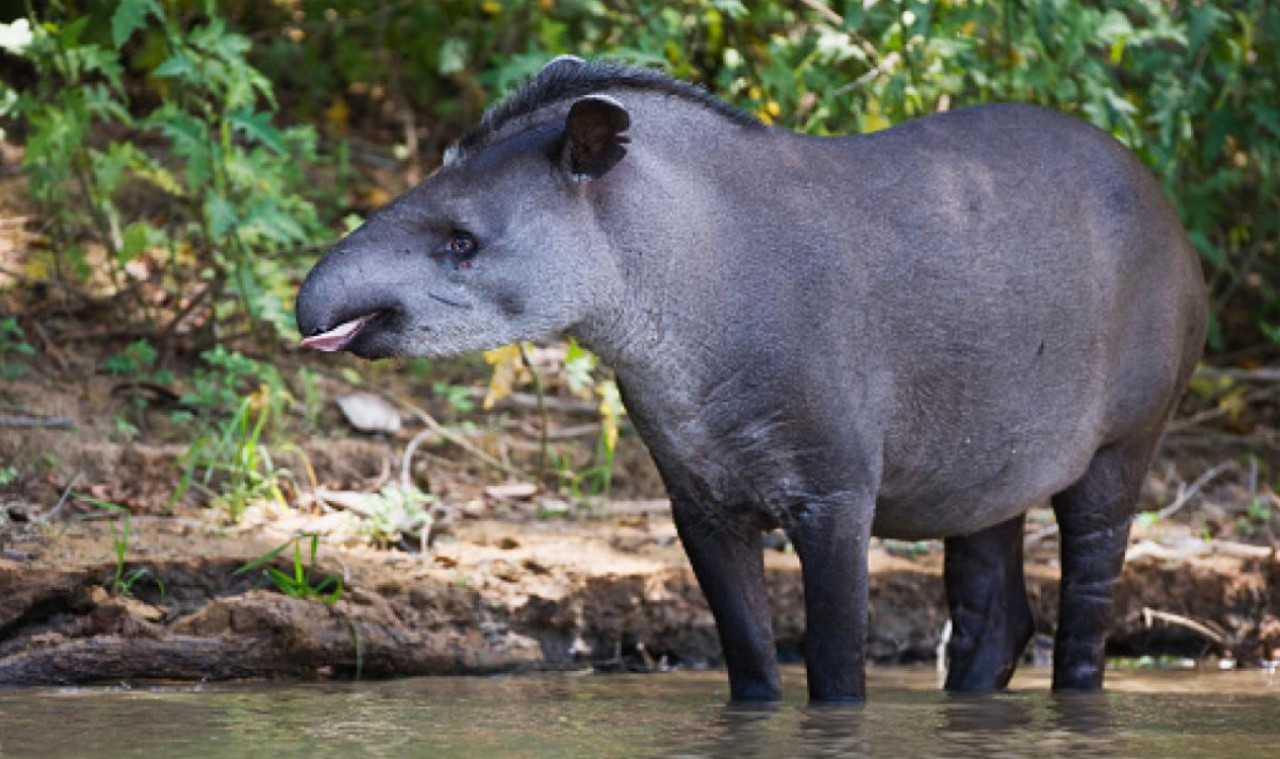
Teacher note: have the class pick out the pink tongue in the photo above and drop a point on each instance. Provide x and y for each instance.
(336, 338)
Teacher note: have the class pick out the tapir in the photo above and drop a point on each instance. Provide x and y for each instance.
(915, 333)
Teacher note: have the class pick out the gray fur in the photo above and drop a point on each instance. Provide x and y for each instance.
(915, 333)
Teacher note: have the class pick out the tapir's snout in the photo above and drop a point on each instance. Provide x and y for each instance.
(348, 302)
(310, 309)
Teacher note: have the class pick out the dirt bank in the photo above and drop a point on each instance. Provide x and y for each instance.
(515, 579)
(609, 591)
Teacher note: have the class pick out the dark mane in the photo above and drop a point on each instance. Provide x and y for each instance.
(561, 83)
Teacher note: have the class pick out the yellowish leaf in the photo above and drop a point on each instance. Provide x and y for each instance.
(1233, 403)
(338, 115)
(874, 122)
(36, 269)
(162, 178)
(611, 411)
(507, 367)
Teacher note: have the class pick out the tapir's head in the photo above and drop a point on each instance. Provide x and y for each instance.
(500, 245)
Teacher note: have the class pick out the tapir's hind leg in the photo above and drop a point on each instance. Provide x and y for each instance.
(1094, 516)
(990, 618)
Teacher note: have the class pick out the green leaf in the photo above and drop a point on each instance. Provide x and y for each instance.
(137, 236)
(265, 219)
(177, 66)
(72, 31)
(263, 559)
(130, 16)
(220, 215)
(257, 127)
(730, 8)
(151, 171)
(286, 584)
(87, 58)
(1272, 332)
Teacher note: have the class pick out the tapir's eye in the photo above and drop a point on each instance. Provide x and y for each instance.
(463, 245)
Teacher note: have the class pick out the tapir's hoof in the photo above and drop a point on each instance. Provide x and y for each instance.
(1078, 678)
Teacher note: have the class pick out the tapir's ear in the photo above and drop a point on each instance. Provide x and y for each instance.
(594, 142)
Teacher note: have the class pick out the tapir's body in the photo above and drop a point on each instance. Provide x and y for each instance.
(916, 333)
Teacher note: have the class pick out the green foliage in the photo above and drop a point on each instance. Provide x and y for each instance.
(226, 378)
(1259, 515)
(226, 181)
(299, 584)
(312, 398)
(13, 347)
(237, 400)
(231, 464)
(123, 581)
(1191, 87)
(457, 396)
(138, 361)
(395, 513)
(236, 404)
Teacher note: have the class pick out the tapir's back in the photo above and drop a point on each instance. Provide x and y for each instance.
(1033, 298)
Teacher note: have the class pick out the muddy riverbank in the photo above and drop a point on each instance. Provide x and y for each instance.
(610, 590)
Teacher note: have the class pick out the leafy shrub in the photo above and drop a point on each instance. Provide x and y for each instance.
(220, 184)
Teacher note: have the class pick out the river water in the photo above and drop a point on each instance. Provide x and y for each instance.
(1171, 715)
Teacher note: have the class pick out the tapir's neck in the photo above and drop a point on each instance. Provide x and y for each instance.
(694, 303)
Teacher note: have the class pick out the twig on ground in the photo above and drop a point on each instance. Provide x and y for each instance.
(530, 401)
(384, 474)
(448, 434)
(591, 429)
(1264, 439)
(32, 420)
(1039, 535)
(57, 509)
(172, 327)
(1185, 496)
(1151, 616)
(1192, 549)
(430, 421)
(406, 461)
(50, 348)
(1264, 374)
(1186, 423)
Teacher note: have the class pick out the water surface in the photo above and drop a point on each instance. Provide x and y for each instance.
(1170, 715)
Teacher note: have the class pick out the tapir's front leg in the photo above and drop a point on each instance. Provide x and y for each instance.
(729, 564)
(831, 538)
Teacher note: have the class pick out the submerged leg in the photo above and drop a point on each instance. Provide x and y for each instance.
(1094, 516)
(729, 564)
(990, 618)
(831, 540)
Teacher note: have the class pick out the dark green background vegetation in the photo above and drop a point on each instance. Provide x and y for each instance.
(224, 108)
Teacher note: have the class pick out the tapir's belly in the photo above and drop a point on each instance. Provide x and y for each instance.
(959, 492)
